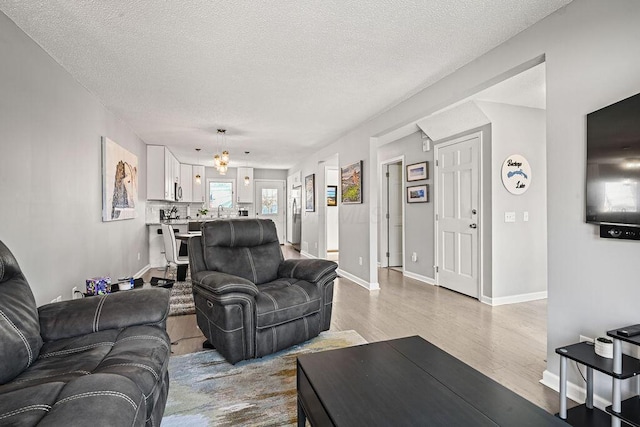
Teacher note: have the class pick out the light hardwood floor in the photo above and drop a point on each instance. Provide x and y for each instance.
(506, 343)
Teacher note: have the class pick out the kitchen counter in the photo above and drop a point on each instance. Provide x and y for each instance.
(187, 221)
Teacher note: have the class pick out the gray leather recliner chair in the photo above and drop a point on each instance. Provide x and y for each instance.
(98, 361)
(250, 302)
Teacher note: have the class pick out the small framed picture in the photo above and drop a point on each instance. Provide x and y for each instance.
(332, 195)
(310, 193)
(418, 194)
(351, 183)
(418, 171)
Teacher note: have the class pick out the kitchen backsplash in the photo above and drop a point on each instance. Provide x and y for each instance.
(189, 210)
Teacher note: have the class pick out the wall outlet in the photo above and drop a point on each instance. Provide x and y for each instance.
(587, 339)
(509, 217)
(360, 260)
(414, 257)
(525, 216)
(138, 256)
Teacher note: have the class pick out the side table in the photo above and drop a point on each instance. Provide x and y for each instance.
(586, 414)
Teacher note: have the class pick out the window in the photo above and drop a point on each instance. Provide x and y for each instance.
(269, 201)
(220, 193)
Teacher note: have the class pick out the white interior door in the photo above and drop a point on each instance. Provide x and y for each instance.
(394, 217)
(269, 201)
(457, 174)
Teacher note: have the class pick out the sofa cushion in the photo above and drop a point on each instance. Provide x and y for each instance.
(138, 353)
(19, 325)
(98, 400)
(284, 300)
(27, 406)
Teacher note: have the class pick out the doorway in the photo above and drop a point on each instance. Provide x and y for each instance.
(457, 183)
(269, 200)
(332, 213)
(391, 248)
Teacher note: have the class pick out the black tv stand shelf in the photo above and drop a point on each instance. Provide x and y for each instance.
(621, 367)
(630, 411)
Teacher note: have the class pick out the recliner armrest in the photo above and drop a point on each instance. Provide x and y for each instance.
(221, 283)
(112, 311)
(311, 270)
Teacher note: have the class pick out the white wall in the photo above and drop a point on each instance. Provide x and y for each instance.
(591, 53)
(419, 217)
(519, 249)
(50, 175)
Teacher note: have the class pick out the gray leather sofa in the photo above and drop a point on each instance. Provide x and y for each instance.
(250, 302)
(98, 361)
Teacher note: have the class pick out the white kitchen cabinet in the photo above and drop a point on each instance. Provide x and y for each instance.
(198, 187)
(244, 192)
(186, 183)
(163, 171)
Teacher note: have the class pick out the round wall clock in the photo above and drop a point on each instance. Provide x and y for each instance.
(516, 174)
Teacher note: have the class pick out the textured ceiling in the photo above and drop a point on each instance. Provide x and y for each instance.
(285, 75)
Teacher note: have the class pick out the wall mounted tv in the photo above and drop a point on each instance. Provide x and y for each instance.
(613, 164)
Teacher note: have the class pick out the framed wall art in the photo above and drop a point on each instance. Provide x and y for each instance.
(332, 195)
(351, 183)
(119, 182)
(418, 171)
(418, 193)
(310, 193)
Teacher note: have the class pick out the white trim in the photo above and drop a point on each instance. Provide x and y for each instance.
(382, 197)
(574, 391)
(480, 218)
(307, 255)
(513, 299)
(358, 281)
(142, 271)
(419, 277)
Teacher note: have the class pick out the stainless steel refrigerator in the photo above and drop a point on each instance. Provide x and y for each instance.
(296, 217)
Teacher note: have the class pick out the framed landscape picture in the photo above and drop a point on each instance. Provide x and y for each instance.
(418, 193)
(119, 182)
(332, 195)
(310, 193)
(351, 183)
(418, 171)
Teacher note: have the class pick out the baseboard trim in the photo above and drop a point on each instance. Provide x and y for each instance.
(143, 270)
(419, 277)
(355, 279)
(574, 391)
(307, 255)
(513, 299)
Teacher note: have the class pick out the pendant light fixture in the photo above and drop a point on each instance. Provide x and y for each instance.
(221, 161)
(247, 180)
(198, 177)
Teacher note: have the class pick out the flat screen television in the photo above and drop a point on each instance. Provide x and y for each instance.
(613, 164)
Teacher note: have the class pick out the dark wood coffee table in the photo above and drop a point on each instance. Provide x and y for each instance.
(406, 382)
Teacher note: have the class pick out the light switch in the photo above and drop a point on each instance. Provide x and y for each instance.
(509, 217)
(525, 216)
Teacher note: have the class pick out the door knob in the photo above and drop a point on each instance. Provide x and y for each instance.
(473, 211)
(473, 225)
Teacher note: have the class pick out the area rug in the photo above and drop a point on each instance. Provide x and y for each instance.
(181, 299)
(205, 390)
